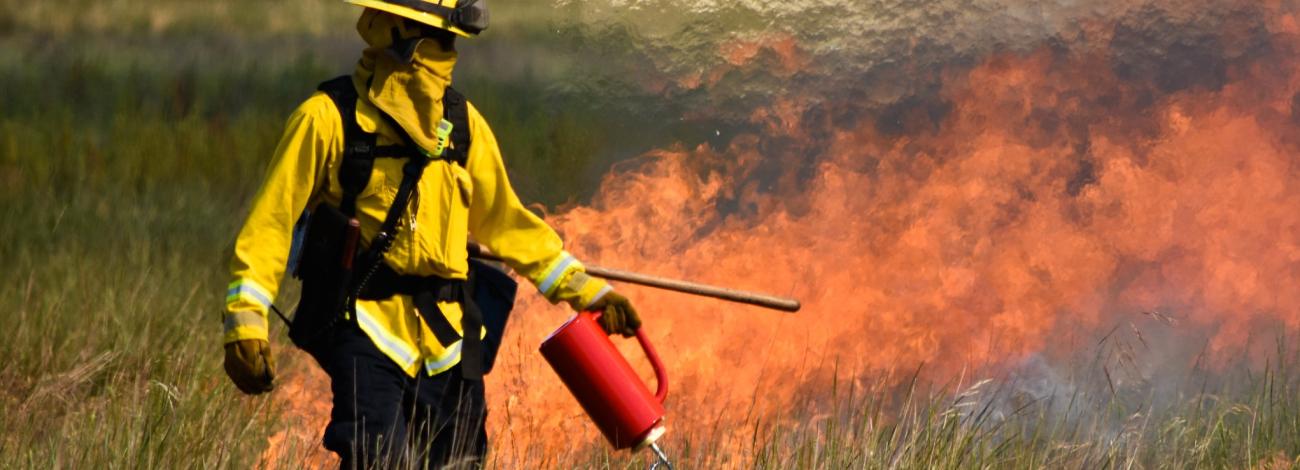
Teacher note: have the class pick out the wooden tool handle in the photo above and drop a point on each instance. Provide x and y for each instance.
(693, 288)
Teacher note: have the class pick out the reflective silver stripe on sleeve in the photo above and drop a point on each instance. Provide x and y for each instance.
(247, 289)
(556, 272)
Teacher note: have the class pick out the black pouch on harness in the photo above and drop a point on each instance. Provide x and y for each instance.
(325, 281)
(494, 293)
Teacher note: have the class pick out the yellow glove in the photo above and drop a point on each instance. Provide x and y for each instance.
(617, 316)
(250, 366)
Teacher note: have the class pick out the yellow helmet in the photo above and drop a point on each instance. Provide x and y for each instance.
(466, 18)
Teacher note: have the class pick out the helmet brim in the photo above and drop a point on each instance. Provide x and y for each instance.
(412, 14)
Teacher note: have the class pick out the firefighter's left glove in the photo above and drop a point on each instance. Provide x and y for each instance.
(250, 365)
(617, 314)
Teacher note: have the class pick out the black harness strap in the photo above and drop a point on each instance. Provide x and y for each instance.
(411, 173)
(378, 281)
(473, 355)
(457, 111)
(395, 151)
(425, 291)
(358, 145)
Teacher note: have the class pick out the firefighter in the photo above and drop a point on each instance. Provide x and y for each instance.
(395, 149)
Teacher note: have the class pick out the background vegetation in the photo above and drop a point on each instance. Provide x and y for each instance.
(134, 133)
(132, 137)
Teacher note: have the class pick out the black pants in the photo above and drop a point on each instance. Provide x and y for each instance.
(383, 418)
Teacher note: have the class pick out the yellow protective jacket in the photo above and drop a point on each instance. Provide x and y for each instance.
(451, 202)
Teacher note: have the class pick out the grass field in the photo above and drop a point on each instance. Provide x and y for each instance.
(134, 133)
(132, 138)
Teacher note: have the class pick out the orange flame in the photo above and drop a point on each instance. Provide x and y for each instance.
(1037, 197)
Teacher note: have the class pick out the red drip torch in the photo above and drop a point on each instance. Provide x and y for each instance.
(600, 378)
(606, 386)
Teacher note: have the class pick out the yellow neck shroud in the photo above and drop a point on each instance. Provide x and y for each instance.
(410, 92)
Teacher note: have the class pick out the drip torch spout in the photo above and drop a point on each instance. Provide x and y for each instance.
(663, 458)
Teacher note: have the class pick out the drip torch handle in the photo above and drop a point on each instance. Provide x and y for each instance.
(661, 374)
(695, 288)
(676, 285)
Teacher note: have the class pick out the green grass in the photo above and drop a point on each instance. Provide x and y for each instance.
(133, 135)
(128, 153)
(111, 362)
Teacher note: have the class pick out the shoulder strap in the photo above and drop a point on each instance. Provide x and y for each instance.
(412, 171)
(358, 145)
(455, 110)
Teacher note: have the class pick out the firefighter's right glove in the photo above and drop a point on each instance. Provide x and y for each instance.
(250, 366)
(617, 315)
